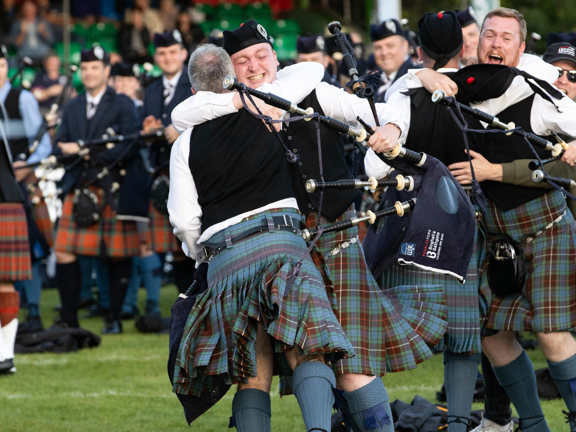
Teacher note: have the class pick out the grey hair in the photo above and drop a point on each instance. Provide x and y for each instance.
(208, 66)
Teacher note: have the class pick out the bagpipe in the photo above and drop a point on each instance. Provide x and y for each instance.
(230, 83)
(87, 146)
(493, 121)
(399, 209)
(440, 226)
(539, 174)
(24, 63)
(400, 182)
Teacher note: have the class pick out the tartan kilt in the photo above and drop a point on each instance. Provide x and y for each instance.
(160, 233)
(250, 283)
(389, 330)
(15, 263)
(109, 236)
(43, 222)
(465, 312)
(548, 300)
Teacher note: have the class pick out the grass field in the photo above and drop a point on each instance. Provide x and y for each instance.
(122, 385)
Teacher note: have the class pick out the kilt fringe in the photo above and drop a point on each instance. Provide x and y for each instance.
(373, 319)
(220, 333)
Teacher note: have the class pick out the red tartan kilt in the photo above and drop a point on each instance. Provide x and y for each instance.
(43, 221)
(160, 235)
(110, 237)
(15, 261)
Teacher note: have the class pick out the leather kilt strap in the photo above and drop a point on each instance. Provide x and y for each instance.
(267, 224)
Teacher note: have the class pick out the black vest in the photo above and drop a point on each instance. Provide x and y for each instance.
(434, 131)
(238, 166)
(301, 138)
(501, 149)
(18, 145)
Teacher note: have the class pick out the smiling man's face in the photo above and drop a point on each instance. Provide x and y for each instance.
(500, 41)
(255, 65)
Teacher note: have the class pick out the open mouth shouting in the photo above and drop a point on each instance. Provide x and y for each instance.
(495, 59)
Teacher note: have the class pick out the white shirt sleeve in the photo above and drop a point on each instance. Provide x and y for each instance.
(200, 108)
(293, 83)
(184, 210)
(537, 67)
(545, 118)
(344, 106)
(374, 166)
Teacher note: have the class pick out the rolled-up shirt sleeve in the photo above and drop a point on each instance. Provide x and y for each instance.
(184, 210)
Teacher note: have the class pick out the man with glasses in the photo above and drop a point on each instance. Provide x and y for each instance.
(563, 56)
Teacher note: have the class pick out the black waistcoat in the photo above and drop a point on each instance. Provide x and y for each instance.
(501, 149)
(301, 138)
(238, 166)
(434, 131)
(18, 146)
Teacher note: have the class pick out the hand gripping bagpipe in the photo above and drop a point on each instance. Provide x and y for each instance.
(539, 175)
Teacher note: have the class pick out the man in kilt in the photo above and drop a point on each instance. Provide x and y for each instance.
(539, 221)
(231, 203)
(92, 184)
(379, 326)
(29, 143)
(15, 264)
(160, 98)
(434, 132)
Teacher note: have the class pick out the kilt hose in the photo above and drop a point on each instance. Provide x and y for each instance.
(257, 281)
(548, 300)
(464, 313)
(108, 237)
(15, 263)
(160, 234)
(390, 330)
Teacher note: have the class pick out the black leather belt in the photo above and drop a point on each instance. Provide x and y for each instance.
(267, 224)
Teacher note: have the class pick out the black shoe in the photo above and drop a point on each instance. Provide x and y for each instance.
(7, 367)
(112, 327)
(33, 324)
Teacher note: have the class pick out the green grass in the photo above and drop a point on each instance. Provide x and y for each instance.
(122, 385)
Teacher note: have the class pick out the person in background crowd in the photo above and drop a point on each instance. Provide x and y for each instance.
(31, 35)
(160, 98)
(96, 112)
(391, 54)
(313, 48)
(152, 19)
(134, 38)
(471, 34)
(192, 33)
(48, 83)
(168, 12)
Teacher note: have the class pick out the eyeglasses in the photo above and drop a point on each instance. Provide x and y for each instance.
(571, 74)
